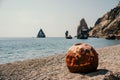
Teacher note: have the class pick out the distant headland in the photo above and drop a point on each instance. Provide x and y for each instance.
(108, 26)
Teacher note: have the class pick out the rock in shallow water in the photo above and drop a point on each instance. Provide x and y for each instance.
(82, 58)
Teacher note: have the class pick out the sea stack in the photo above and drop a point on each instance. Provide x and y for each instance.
(82, 30)
(108, 26)
(41, 34)
(67, 36)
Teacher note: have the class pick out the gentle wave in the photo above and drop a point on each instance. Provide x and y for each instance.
(15, 49)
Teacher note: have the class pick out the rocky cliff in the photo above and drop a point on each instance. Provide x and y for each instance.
(108, 26)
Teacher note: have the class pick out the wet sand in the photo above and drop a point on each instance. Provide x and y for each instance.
(54, 67)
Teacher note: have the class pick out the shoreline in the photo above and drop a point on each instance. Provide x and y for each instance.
(54, 67)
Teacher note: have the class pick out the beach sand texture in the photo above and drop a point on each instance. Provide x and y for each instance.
(54, 67)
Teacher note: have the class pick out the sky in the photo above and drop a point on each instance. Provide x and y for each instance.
(24, 18)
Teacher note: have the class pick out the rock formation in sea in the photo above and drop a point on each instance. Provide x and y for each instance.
(41, 34)
(108, 26)
(66, 33)
(67, 36)
(82, 57)
(82, 30)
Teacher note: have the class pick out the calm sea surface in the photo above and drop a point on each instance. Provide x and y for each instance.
(17, 49)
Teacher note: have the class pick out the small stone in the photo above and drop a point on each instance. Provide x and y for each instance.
(82, 58)
(112, 76)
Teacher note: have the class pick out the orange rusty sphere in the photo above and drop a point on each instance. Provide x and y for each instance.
(82, 58)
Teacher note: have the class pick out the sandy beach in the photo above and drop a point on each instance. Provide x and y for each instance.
(54, 67)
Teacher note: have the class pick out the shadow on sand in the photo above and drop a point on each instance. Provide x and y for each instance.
(96, 73)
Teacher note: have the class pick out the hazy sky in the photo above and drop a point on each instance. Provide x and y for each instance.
(24, 18)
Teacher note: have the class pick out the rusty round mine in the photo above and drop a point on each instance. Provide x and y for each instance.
(82, 58)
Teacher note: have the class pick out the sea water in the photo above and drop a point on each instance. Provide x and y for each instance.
(17, 49)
